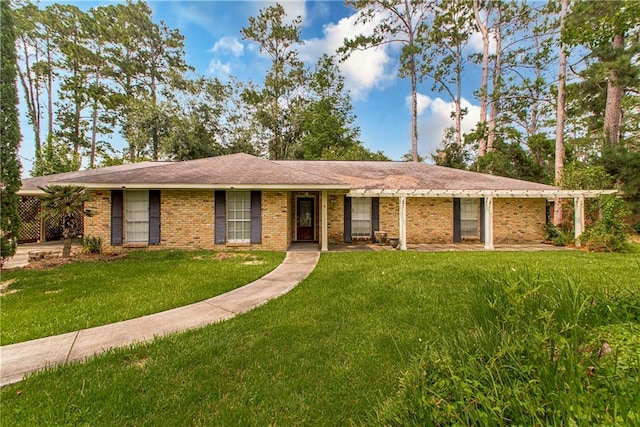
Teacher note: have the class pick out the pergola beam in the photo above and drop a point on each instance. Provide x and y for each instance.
(537, 194)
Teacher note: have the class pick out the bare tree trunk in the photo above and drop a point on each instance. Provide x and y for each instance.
(558, 213)
(94, 127)
(50, 89)
(613, 109)
(414, 93)
(497, 83)
(459, 108)
(484, 31)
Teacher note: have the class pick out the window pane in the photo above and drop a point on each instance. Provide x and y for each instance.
(136, 216)
(361, 217)
(238, 216)
(469, 213)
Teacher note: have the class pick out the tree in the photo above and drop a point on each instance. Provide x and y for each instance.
(609, 33)
(398, 22)
(9, 137)
(558, 212)
(328, 128)
(280, 102)
(442, 46)
(67, 203)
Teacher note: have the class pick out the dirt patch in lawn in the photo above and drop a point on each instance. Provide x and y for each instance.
(51, 263)
(5, 284)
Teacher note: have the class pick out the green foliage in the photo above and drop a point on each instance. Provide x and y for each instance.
(92, 244)
(451, 154)
(557, 236)
(578, 176)
(538, 352)
(610, 232)
(9, 137)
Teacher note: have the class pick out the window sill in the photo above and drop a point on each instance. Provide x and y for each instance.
(135, 245)
(238, 244)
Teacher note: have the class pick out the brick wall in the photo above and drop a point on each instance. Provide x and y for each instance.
(187, 220)
(276, 217)
(100, 223)
(335, 218)
(389, 219)
(519, 220)
(429, 220)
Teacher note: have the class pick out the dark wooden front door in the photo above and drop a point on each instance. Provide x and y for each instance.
(305, 218)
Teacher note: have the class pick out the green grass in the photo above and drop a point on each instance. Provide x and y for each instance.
(82, 295)
(331, 352)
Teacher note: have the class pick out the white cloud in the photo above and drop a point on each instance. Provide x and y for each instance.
(230, 44)
(293, 9)
(218, 68)
(364, 70)
(434, 117)
(475, 43)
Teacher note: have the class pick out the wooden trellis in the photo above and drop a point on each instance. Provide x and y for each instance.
(34, 228)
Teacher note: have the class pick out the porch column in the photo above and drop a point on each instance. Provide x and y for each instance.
(578, 207)
(325, 233)
(488, 222)
(403, 222)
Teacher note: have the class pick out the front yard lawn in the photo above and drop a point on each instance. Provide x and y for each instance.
(333, 351)
(41, 303)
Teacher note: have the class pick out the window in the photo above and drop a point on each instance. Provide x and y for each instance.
(469, 209)
(239, 216)
(136, 216)
(361, 217)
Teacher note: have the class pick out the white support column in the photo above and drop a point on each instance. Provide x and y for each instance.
(578, 207)
(488, 222)
(403, 222)
(324, 239)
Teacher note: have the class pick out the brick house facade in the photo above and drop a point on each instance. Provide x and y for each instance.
(241, 201)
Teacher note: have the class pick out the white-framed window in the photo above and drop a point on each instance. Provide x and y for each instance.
(239, 216)
(136, 213)
(361, 217)
(469, 211)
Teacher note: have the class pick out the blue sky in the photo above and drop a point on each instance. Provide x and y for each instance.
(214, 46)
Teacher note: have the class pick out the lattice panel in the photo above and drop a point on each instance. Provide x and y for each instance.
(30, 228)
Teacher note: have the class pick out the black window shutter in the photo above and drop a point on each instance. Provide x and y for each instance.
(154, 217)
(482, 220)
(220, 201)
(347, 220)
(256, 217)
(375, 217)
(457, 236)
(117, 204)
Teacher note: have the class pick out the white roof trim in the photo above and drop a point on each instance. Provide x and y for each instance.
(546, 194)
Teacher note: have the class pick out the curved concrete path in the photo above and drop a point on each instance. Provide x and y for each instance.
(17, 360)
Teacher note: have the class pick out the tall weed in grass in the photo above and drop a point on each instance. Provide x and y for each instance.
(537, 352)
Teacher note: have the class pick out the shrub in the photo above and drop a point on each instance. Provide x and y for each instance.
(557, 236)
(92, 244)
(535, 353)
(610, 232)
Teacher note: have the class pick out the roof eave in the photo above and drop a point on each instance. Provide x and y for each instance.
(181, 186)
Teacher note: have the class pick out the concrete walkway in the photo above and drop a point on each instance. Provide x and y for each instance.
(19, 359)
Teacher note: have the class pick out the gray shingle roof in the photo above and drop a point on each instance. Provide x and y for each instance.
(246, 170)
(410, 176)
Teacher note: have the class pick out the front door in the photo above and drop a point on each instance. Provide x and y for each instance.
(305, 218)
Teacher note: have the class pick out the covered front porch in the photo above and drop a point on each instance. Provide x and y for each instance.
(487, 197)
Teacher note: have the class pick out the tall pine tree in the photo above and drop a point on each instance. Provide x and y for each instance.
(9, 137)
